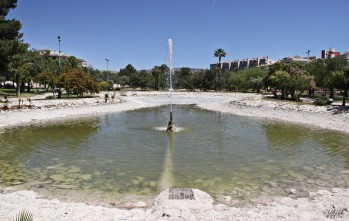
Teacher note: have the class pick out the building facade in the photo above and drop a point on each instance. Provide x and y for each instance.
(63, 56)
(231, 66)
(303, 60)
(330, 53)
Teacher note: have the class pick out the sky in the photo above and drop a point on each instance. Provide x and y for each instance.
(137, 31)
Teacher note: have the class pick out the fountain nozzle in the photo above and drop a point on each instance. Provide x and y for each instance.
(170, 126)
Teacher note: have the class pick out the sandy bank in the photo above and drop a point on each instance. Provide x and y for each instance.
(321, 205)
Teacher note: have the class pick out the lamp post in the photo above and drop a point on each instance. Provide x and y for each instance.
(107, 60)
(59, 66)
(308, 52)
(59, 52)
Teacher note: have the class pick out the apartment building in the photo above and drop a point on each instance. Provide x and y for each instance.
(63, 56)
(303, 60)
(231, 66)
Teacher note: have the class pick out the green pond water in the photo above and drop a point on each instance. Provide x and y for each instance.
(118, 155)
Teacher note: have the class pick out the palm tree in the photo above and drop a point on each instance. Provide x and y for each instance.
(219, 53)
(24, 215)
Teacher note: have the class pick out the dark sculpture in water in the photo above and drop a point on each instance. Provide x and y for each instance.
(170, 125)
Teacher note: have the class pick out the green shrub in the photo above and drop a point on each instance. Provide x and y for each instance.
(50, 97)
(322, 101)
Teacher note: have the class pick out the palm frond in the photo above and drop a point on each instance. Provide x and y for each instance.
(24, 215)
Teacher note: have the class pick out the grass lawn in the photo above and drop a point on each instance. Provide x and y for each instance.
(11, 93)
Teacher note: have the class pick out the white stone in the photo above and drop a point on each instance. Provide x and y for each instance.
(227, 199)
(291, 191)
(140, 204)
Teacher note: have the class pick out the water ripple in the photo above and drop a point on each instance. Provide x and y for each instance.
(125, 152)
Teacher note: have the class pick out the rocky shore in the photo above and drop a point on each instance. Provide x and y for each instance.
(332, 117)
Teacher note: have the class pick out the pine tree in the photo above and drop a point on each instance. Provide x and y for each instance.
(10, 37)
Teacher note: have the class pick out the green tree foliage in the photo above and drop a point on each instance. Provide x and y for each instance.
(203, 80)
(10, 37)
(244, 80)
(336, 64)
(256, 83)
(46, 70)
(115, 78)
(102, 75)
(340, 80)
(48, 63)
(191, 80)
(326, 73)
(146, 80)
(156, 72)
(76, 81)
(183, 78)
(160, 75)
(104, 85)
(333, 65)
(280, 80)
(125, 80)
(36, 66)
(346, 85)
(50, 66)
(237, 81)
(219, 53)
(134, 80)
(72, 62)
(299, 82)
(284, 67)
(318, 70)
(289, 78)
(142, 79)
(164, 78)
(5, 6)
(208, 80)
(46, 78)
(125, 74)
(127, 71)
(20, 67)
(323, 72)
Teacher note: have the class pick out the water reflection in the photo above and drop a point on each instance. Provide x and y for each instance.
(298, 142)
(308, 157)
(166, 178)
(27, 148)
(335, 145)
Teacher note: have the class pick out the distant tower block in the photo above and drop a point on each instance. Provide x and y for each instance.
(330, 53)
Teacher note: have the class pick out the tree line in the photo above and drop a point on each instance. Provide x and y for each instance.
(19, 64)
(22, 66)
(293, 79)
(158, 78)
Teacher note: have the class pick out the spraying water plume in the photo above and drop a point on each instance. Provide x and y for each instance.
(170, 125)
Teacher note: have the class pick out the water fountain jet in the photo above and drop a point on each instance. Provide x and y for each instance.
(170, 125)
